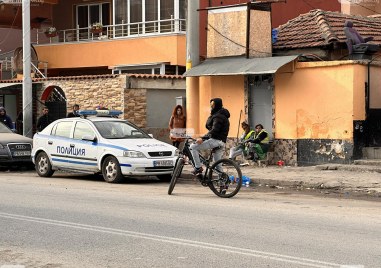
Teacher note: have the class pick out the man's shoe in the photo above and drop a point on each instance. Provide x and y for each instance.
(198, 171)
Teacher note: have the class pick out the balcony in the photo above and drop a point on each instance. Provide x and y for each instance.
(117, 31)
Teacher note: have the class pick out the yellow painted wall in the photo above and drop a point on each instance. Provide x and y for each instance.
(375, 87)
(114, 52)
(230, 89)
(319, 100)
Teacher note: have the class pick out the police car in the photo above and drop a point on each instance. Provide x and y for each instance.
(96, 142)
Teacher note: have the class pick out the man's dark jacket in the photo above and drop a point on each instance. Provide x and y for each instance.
(218, 122)
(43, 121)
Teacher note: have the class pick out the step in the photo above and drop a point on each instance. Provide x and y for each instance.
(358, 168)
(369, 162)
(371, 152)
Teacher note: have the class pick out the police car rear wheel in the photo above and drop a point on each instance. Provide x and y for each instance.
(111, 170)
(43, 165)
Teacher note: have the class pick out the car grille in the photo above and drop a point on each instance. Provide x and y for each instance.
(160, 154)
(20, 150)
(155, 169)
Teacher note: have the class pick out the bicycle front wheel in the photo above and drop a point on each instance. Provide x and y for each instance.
(225, 178)
(176, 174)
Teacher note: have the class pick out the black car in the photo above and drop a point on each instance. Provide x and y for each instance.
(15, 149)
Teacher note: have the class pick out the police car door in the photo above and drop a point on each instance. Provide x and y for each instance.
(59, 144)
(85, 144)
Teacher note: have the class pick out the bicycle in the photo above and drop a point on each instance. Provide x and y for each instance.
(223, 177)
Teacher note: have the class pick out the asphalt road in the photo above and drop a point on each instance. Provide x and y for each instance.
(85, 222)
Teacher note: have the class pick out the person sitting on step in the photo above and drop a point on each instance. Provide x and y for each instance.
(259, 145)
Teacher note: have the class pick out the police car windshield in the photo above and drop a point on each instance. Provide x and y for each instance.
(119, 130)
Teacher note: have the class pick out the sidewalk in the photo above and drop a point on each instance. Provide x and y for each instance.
(330, 178)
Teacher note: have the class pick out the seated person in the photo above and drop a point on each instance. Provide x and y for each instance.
(353, 37)
(241, 149)
(259, 145)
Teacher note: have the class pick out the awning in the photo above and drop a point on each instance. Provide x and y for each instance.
(239, 66)
(2, 85)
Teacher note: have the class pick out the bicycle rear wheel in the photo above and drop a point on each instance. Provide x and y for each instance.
(225, 178)
(176, 174)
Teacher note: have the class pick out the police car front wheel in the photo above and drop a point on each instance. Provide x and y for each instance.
(43, 165)
(111, 170)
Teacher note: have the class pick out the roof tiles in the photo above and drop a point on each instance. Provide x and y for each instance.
(321, 28)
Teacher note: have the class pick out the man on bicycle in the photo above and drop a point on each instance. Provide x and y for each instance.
(218, 126)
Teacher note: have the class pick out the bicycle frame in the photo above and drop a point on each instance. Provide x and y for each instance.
(224, 182)
(205, 161)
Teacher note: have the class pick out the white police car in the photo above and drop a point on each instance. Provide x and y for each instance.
(112, 146)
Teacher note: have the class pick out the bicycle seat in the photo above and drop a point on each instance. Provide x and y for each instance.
(216, 149)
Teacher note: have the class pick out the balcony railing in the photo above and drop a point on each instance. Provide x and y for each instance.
(117, 31)
(38, 68)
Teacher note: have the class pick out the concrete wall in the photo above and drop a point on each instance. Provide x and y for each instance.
(225, 25)
(107, 53)
(260, 34)
(229, 88)
(165, 99)
(361, 7)
(319, 101)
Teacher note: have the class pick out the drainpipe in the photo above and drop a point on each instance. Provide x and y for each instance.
(248, 30)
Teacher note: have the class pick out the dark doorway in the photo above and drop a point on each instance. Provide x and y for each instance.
(56, 102)
(373, 123)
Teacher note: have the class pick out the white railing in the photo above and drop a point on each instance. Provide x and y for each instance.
(39, 68)
(116, 31)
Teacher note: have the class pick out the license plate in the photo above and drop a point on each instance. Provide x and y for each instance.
(163, 163)
(21, 153)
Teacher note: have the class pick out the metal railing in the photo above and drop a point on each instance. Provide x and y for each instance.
(116, 31)
(36, 67)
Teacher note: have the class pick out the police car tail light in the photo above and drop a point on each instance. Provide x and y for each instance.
(100, 112)
(133, 154)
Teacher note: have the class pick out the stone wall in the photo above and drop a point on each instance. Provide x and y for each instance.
(135, 108)
(91, 91)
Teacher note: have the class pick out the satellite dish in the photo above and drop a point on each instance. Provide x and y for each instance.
(17, 63)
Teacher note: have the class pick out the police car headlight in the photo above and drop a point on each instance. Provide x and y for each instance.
(1, 146)
(133, 154)
(177, 152)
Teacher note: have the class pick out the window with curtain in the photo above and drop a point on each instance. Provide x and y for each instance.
(167, 12)
(121, 17)
(136, 16)
(151, 11)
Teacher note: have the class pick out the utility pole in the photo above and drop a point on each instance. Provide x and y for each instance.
(27, 80)
(193, 58)
(193, 32)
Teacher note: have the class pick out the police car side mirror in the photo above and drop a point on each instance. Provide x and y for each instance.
(89, 138)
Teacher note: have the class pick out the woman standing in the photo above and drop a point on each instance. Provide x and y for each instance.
(177, 125)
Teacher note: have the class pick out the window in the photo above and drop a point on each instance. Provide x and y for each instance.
(63, 129)
(136, 16)
(121, 17)
(149, 16)
(167, 12)
(89, 14)
(82, 129)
